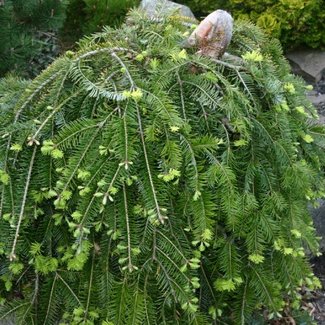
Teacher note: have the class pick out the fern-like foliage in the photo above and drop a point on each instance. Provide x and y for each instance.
(143, 184)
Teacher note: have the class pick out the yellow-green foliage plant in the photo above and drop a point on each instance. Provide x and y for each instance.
(142, 183)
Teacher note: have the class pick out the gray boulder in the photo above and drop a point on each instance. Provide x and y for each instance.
(213, 35)
(156, 8)
(310, 64)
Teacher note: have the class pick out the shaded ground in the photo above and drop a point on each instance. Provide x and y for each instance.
(318, 301)
(320, 86)
(319, 89)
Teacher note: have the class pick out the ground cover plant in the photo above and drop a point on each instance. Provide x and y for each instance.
(142, 183)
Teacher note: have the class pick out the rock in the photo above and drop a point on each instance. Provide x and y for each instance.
(317, 99)
(158, 8)
(213, 34)
(319, 223)
(310, 64)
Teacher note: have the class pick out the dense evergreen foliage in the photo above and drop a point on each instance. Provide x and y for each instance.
(144, 184)
(89, 16)
(27, 34)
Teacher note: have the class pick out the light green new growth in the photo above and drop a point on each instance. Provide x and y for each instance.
(143, 184)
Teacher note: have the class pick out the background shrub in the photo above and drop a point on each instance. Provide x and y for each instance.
(27, 33)
(89, 16)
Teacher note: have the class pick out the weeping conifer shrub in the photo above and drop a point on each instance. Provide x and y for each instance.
(142, 183)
